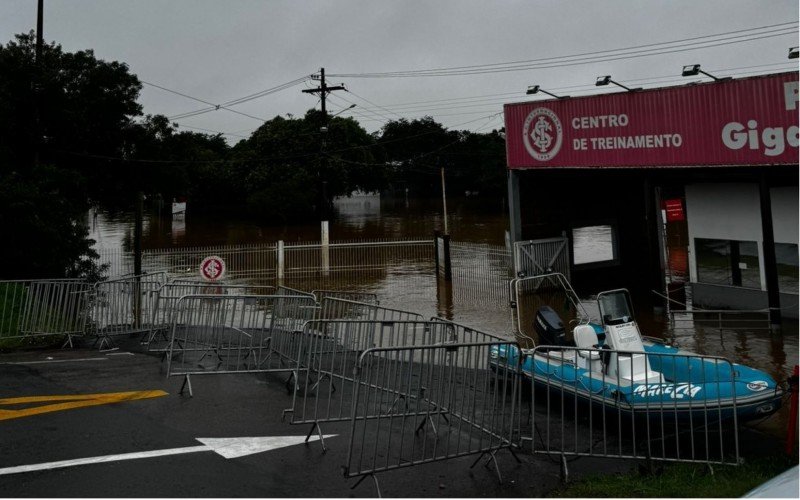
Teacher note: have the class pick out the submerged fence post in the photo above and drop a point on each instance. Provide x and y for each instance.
(280, 262)
(325, 254)
(448, 271)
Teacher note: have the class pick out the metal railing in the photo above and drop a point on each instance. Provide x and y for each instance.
(529, 294)
(335, 308)
(122, 306)
(278, 260)
(167, 297)
(213, 334)
(416, 405)
(39, 308)
(634, 405)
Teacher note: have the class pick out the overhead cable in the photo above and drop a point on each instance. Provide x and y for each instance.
(681, 45)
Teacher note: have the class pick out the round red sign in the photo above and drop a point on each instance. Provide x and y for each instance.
(212, 268)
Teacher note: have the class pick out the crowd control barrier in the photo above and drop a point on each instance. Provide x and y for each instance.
(122, 306)
(167, 297)
(423, 404)
(369, 298)
(39, 308)
(629, 405)
(336, 308)
(214, 334)
(329, 354)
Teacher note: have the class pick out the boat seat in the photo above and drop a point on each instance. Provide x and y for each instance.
(587, 343)
(586, 338)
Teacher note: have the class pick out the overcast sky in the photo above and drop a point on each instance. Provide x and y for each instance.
(218, 51)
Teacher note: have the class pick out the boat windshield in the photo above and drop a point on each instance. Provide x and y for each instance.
(615, 307)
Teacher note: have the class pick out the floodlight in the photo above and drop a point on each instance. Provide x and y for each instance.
(793, 53)
(694, 70)
(605, 80)
(535, 89)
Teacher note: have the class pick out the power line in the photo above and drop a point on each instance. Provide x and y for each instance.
(226, 105)
(502, 98)
(212, 108)
(681, 45)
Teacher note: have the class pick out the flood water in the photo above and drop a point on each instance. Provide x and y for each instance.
(468, 220)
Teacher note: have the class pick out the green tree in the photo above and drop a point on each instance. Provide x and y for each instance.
(291, 168)
(76, 110)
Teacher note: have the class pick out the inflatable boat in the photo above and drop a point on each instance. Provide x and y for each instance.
(610, 364)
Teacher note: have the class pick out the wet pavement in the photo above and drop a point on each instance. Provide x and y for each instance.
(152, 445)
(167, 428)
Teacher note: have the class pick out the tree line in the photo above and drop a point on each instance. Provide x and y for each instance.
(73, 135)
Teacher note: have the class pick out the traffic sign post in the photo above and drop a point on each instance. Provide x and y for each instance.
(212, 268)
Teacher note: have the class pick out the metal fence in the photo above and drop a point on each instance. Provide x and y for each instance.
(633, 405)
(122, 306)
(37, 308)
(480, 272)
(213, 334)
(366, 297)
(424, 404)
(278, 261)
(167, 297)
(335, 308)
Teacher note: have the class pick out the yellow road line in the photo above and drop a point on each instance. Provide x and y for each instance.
(69, 402)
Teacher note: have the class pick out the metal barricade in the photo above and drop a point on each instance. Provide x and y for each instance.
(228, 334)
(285, 290)
(329, 354)
(39, 308)
(122, 307)
(335, 308)
(368, 298)
(529, 294)
(423, 404)
(167, 297)
(667, 406)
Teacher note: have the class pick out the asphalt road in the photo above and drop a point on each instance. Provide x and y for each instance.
(223, 406)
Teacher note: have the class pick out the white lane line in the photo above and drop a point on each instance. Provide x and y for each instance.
(124, 353)
(98, 460)
(53, 361)
(226, 447)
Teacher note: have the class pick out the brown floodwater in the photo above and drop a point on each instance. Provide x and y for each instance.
(412, 286)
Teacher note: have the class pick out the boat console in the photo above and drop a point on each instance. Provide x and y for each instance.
(627, 359)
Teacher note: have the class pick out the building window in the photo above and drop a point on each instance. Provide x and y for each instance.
(593, 244)
(786, 257)
(728, 262)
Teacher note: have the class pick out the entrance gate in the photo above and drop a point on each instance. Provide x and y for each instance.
(536, 257)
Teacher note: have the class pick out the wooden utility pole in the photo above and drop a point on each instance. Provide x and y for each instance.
(323, 90)
(37, 81)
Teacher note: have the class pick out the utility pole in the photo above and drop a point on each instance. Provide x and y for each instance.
(37, 80)
(323, 90)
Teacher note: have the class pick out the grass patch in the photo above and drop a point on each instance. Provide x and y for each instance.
(681, 481)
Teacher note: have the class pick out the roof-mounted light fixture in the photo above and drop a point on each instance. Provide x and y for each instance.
(792, 52)
(605, 80)
(694, 70)
(535, 89)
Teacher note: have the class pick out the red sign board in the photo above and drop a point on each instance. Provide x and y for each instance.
(212, 268)
(674, 210)
(749, 121)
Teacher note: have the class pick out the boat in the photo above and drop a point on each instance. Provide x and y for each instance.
(611, 365)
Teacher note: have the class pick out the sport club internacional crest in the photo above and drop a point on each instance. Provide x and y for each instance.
(542, 134)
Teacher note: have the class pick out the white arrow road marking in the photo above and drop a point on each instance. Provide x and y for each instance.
(226, 447)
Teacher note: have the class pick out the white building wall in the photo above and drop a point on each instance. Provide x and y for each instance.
(723, 212)
(732, 211)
